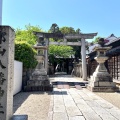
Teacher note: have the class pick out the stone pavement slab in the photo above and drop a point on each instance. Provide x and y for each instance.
(74, 104)
(77, 118)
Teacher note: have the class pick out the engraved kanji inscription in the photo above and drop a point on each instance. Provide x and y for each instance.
(2, 66)
(2, 36)
(2, 52)
(1, 92)
(2, 79)
(1, 107)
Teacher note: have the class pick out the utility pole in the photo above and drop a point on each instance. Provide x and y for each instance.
(0, 12)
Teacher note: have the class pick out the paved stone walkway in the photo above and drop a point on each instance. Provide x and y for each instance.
(65, 103)
(74, 104)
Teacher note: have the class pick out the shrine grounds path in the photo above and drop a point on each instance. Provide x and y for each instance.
(68, 101)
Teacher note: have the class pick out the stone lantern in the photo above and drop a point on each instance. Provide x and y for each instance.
(39, 80)
(101, 80)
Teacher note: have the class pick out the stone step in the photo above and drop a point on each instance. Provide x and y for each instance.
(78, 87)
(38, 88)
(68, 85)
(60, 85)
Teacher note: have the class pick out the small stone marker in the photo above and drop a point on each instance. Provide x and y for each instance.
(20, 117)
(6, 72)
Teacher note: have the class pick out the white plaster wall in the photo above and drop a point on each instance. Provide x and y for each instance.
(18, 67)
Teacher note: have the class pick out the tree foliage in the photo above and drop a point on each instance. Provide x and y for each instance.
(25, 53)
(24, 40)
(64, 30)
(71, 30)
(96, 40)
(59, 51)
(54, 28)
(67, 30)
(27, 34)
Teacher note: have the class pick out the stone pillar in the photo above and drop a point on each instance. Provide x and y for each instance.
(6, 72)
(83, 54)
(0, 12)
(46, 56)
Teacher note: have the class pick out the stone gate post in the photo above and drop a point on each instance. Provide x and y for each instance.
(6, 72)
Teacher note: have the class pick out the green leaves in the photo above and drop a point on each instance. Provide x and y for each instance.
(27, 34)
(59, 51)
(96, 40)
(67, 30)
(23, 41)
(25, 53)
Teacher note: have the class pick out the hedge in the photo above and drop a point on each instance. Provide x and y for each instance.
(25, 53)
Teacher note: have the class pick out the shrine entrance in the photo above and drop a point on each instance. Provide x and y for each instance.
(65, 37)
(64, 66)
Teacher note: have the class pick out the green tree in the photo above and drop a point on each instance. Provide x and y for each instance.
(25, 53)
(67, 30)
(24, 40)
(78, 31)
(27, 35)
(71, 30)
(96, 40)
(59, 51)
(54, 28)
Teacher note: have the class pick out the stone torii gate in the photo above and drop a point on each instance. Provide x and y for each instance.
(66, 37)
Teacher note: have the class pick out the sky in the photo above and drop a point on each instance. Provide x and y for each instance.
(91, 16)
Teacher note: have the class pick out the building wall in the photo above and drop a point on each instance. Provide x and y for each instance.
(114, 66)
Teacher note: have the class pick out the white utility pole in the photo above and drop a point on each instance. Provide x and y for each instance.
(0, 12)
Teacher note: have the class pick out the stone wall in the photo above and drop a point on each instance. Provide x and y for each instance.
(26, 76)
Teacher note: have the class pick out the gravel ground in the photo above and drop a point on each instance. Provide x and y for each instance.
(34, 104)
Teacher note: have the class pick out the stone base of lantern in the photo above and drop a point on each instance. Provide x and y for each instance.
(102, 89)
(39, 81)
(38, 88)
(105, 85)
(38, 85)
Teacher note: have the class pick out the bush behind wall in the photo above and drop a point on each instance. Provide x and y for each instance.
(25, 53)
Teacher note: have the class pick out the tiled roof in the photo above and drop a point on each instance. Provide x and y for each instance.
(112, 41)
(111, 37)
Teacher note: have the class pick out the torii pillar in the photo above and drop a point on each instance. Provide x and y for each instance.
(46, 54)
(83, 54)
(82, 36)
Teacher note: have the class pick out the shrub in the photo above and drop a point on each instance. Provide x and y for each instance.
(25, 53)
